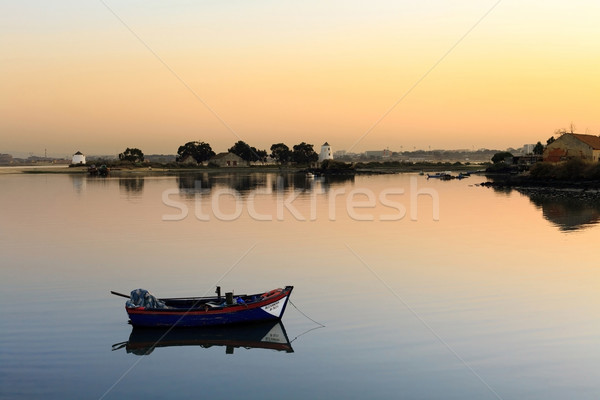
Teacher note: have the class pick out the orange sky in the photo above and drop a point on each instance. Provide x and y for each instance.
(73, 77)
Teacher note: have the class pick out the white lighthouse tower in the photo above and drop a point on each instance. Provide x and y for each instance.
(326, 153)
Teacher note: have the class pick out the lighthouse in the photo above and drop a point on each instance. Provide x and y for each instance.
(78, 158)
(326, 153)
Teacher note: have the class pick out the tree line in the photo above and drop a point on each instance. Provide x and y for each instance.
(302, 153)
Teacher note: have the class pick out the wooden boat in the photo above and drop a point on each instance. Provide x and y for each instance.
(146, 310)
(103, 170)
(440, 175)
(268, 335)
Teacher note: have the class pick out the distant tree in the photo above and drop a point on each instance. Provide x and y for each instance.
(132, 155)
(281, 153)
(304, 153)
(242, 149)
(499, 157)
(538, 148)
(262, 154)
(246, 152)
(199, 151)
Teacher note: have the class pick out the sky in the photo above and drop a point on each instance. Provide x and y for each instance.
(102, 75)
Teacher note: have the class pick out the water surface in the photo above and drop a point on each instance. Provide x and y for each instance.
(427, 289)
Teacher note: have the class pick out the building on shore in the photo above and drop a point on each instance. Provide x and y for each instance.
(326, 153)
(573, 145)
(6, 159)
(78, 158)
(266, 161)
(526, 160)
(188, 160)
(374, 153)
(528, 148)
(228, 160)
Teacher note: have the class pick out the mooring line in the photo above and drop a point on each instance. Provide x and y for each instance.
(318, 323)
(304, 333)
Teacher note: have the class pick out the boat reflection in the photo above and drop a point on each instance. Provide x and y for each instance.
(266, 335)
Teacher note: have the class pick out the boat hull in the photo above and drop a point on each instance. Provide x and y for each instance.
(269, 309)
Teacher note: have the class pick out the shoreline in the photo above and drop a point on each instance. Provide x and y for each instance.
(558, 189)
(50, 169)
(65, 169)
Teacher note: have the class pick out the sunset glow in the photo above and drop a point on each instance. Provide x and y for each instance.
(102, 76)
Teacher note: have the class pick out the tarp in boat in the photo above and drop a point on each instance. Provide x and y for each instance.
(143, 298)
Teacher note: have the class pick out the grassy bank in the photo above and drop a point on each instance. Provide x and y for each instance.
(572, 170)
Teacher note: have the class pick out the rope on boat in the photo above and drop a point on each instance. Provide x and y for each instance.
(318, 323)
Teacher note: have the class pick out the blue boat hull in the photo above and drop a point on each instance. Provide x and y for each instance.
(267, 309)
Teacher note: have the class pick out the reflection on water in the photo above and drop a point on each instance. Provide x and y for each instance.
(78, 181)
(569, 210)
(503, 190)
(132, 185)
(509, 292)
(268, 335)
(189, 184)
(81, 181)
(568, 213)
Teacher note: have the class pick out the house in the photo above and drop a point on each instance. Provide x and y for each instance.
(573, 145)
(267, 161)
(188, 160)
(526, 160)
(228, 160)
(78, 158)
(6, 159)
(527, 148)
(374, 153)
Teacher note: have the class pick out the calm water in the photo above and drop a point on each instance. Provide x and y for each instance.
(427, 289)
